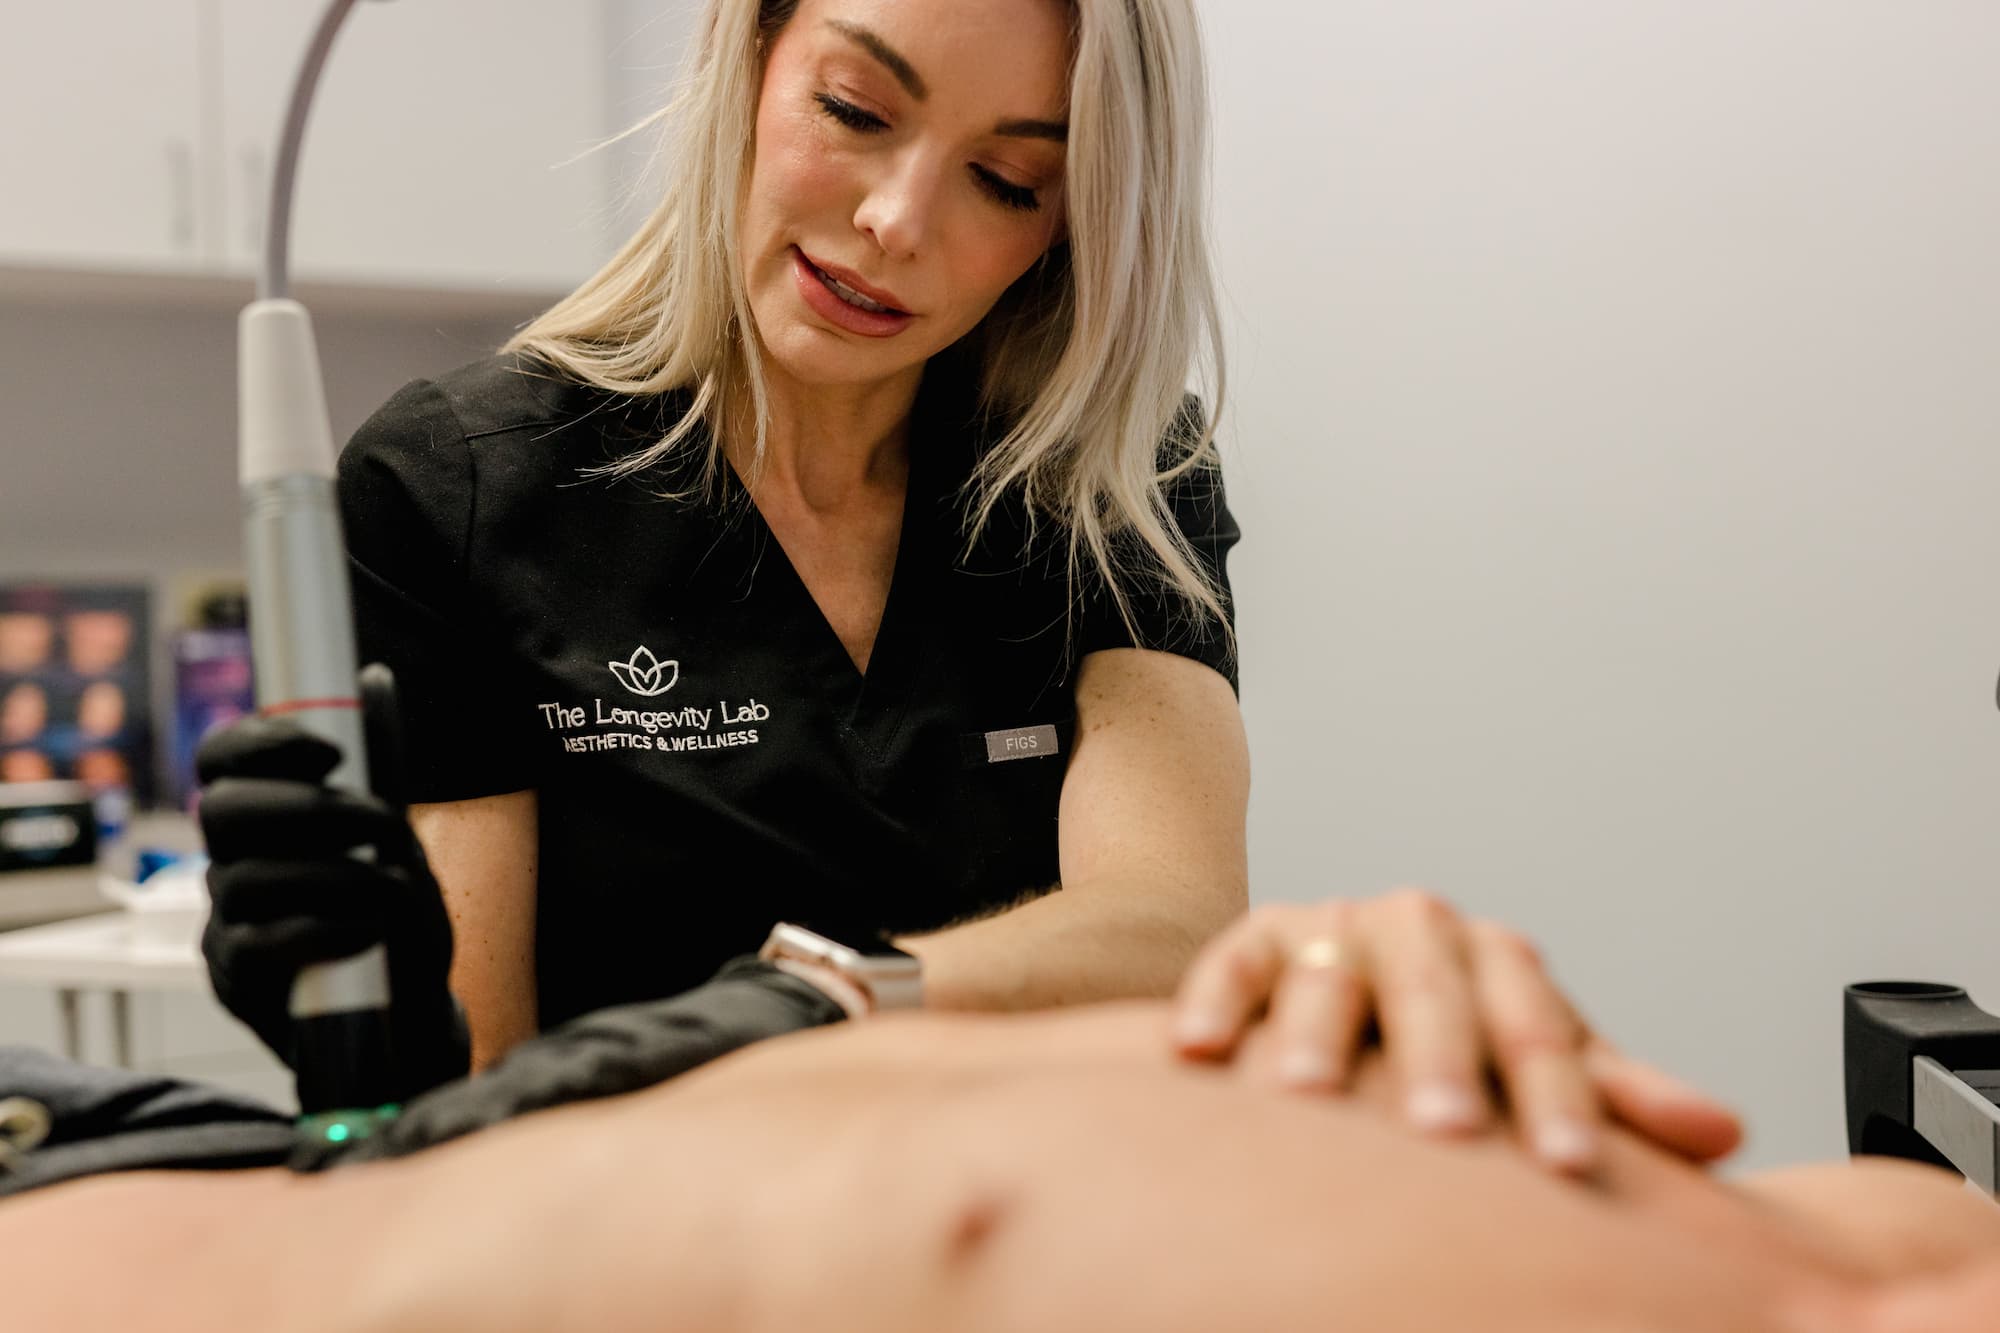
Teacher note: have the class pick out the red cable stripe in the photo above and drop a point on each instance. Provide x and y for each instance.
(304, 705)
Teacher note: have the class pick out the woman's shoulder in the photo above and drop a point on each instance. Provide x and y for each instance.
(495, 441)
(511, 402)
(505, 423)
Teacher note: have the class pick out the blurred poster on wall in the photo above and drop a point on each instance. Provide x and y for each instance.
(212, 687)
(209, 648)
(74, 693)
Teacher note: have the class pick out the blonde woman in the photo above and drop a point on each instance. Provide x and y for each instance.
(847, 552)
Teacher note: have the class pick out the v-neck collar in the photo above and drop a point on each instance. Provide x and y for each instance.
(870, 703)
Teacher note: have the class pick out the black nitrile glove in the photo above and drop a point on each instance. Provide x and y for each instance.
(601, 1054)
(287, 892)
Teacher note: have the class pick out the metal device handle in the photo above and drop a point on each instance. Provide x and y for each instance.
(302, 622)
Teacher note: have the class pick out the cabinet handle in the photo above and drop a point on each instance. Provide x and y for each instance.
(180, 194)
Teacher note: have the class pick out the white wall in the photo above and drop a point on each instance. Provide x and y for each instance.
(647, 42)
(1615, 431)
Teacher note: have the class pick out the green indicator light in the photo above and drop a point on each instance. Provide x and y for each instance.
(347, 1126)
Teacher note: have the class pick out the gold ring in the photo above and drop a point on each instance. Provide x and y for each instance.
(1321, 954)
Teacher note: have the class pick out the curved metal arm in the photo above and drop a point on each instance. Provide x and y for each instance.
(274, 279)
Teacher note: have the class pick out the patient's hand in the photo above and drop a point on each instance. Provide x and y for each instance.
(1453, 1001)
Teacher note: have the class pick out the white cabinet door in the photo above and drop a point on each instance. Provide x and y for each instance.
(441, 142)
(104, 136)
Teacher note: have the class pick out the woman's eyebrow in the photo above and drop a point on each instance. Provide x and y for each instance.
(913, 83)
(891, 59)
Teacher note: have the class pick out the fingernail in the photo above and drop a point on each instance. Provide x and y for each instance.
(1566, 1143)
(1305, 1067)
(1436, 1107)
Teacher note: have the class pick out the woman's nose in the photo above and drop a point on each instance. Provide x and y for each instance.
(897, 210)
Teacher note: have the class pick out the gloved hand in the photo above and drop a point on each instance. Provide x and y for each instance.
(601, 1054)
(287, 892)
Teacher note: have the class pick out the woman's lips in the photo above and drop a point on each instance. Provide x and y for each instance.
(857, 285)
(834, 310)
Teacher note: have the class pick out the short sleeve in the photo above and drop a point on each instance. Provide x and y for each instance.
(1162, 617)
(407, 500)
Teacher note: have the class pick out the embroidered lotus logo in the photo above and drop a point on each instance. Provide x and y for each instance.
(646, 674)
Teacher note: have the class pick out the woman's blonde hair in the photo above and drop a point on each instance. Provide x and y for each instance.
(1086, 359)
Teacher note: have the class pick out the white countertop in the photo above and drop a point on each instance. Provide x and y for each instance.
(31, 896)
(130, 950)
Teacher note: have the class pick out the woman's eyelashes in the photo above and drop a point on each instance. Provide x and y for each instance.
(1006, 192)
(999, 188)
(849, 114)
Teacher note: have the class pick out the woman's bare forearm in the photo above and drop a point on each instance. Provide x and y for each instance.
(1107, 942)
(483, 852)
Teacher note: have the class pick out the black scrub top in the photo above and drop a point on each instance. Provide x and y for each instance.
(707, 759)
